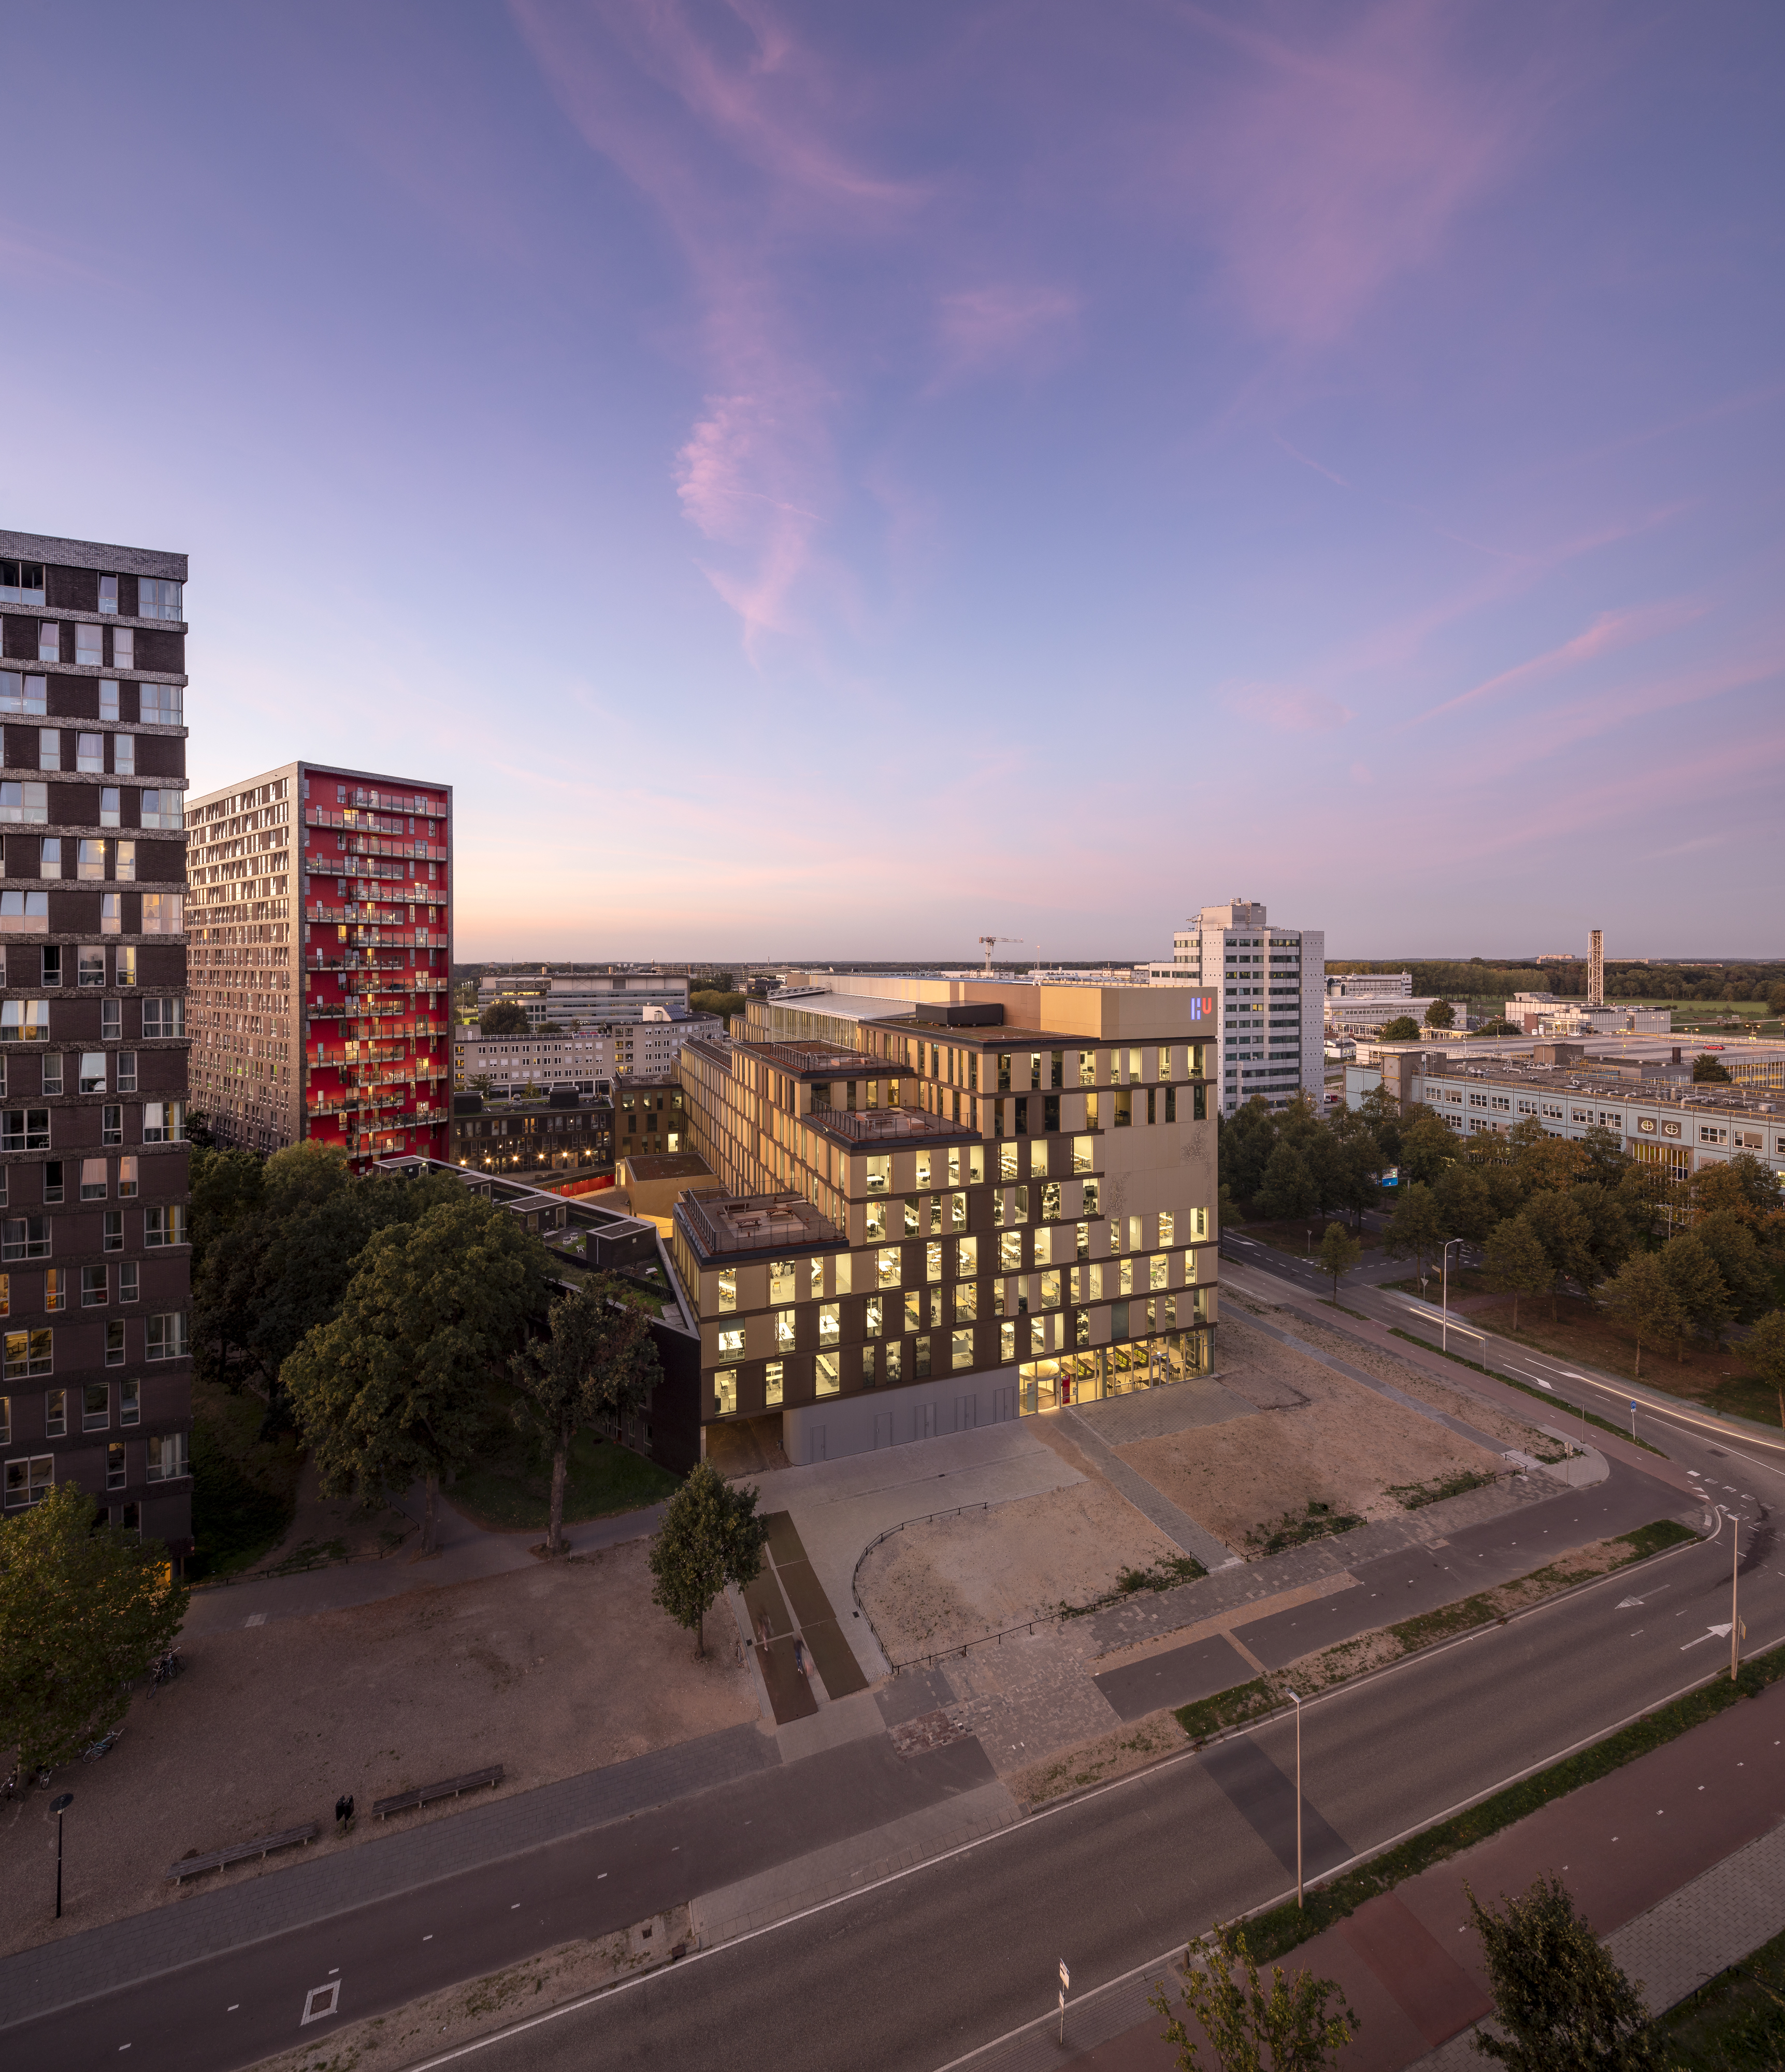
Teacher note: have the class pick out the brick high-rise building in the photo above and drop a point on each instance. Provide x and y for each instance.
(95, 1275)
(322, 962)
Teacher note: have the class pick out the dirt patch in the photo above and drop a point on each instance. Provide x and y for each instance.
(938, 1584)
(1339, 1445)
(1112, 1754)
(448, 2020)
(548, 1670)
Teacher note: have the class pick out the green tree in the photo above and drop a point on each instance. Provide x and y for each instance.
(1354, 1164)
(1564, 2005)
(1541, 1160)
(1287, 1188)
(391, 1391)
(1513, 1262)
(1747, 1276)
(226, 1186)
(1698, 1286)
(84, 1608)
(1765, 1347)
(1415, 1229)
(1339, 1253)
(1742, 1185)
(1583, 1231)
(1602, 1156)
(1465, 1202)
(1381, 1112)
(1246, 1141)
(1440, 1015)
(1709, 1071)
(1294, 2027)
(1497, 1025)
(1775, 997)
(710, 1536)
(504, 1018)
(1427, 1145)
(1642, 1297)
(597, 1361)
(1404, 1028)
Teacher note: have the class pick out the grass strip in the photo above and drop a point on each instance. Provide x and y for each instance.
(1542, 1394)
(1271, 1935)
(1733, 2023)
(1209, 1717)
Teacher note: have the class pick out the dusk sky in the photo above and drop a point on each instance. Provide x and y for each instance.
(843, 480)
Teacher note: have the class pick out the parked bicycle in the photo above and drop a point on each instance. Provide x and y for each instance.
(103, 1746)
(166, 1668)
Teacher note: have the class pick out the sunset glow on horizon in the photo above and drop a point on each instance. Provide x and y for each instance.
(840, 483)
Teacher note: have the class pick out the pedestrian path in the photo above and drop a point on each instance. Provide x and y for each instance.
(1677, 1859)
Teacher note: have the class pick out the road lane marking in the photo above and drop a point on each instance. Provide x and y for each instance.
(321, 2002)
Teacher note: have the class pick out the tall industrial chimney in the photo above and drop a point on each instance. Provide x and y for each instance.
(1596, 968)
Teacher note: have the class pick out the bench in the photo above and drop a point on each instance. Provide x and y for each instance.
(425, 1795)
(287, 1838)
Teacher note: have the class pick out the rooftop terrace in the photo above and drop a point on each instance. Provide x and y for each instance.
(731, 1223)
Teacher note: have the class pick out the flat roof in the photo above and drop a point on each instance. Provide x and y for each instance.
(668, 1165)
(730, 1225)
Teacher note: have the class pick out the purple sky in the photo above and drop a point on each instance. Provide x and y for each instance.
(844, 479)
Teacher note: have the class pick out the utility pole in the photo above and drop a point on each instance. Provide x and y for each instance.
(1298, 1798)
(59, 1806)
(1735, 1580)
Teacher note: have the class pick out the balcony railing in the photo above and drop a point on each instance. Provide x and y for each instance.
(754, 1223)
(825, 1058)
(879, 1125)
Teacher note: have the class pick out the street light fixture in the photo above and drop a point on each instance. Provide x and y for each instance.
(1444, 1326)
(1297, 1798)
(59, 1806)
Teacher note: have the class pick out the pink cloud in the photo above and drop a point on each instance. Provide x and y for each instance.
(1001, 323)
(1286, 708)
(1322, 170)
(1610, 631)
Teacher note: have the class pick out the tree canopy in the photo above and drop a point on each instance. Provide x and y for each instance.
(710, 1536)
(389, 1390)
(85, 1608)
(503, 1018)
(1561, 2000)
(1293, 2026)
(1404, 1028)
(1707, 1069)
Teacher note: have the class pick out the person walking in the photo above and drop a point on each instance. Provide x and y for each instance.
(800, 1655)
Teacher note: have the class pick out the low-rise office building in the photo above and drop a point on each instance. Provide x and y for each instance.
(651, 1116)
(1660, 1117)
(964, 1202)
(569, 1137)
(1559, 1014)
(1369, 986)
(573, 995)
(1370, 1014)
(587, 1059)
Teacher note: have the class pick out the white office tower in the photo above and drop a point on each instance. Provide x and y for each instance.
(1273, 985)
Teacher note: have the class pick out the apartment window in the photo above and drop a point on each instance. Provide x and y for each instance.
(96, 1407)
(725, 1391)
(167, 1455)
(30, 1480)
(108, 698)
(25, 1237)
(1158, 1270)
(168, 1336)
(161, 809)
(25, 1129)
(52, 1180)
(124, 861)
(27, 912)
(112, 1235)
(111, 1027)
(127, 1187)
(108, 593)
(830, 1380)
(162, 1017)
(49, 748)
(49, 642)
(94, 1180)
(130, 1402)
(164, 1122)
(158, 597)
(21, 583)
(93, 1071)
(966, 1300)
(124, 647)
(129, 1288)
(784, 1324)
(162, 913)
(1125, 1108)
(114, 1341)
(95, 1282)
(124, 760)
(90, 753)
(33, 1352)
(161, 704)
(115, 1476)
(26, 803)
(731, 1342)
(914, 1311)
(167, 1226)
(124, 967)
(780, 1280)
(728, 1290)
(23, 694)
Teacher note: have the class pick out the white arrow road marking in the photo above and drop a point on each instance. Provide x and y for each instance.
(1716, 1632)
(1628, 1604)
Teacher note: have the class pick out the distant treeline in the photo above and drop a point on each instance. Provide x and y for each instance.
(1479, 978)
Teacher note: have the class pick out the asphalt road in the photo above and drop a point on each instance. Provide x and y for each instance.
(941, 1960)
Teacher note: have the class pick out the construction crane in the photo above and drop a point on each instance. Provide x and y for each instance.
(989, 943)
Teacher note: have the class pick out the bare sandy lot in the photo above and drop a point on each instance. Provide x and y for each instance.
(1339, 1445)
(939, 1584)
(548, 1670)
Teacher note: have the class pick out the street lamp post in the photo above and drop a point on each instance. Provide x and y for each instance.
(1297, 1798)
(1444, 1327)
(59, 1806)
(1735, 1579)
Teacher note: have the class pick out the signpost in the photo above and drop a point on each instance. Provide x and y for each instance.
(1066, 1982)
(1633, 1417)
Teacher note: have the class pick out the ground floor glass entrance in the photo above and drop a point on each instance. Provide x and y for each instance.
(1103, 1370)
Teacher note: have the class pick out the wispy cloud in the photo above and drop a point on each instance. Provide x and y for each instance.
(1609, 631)
(1285, 708)
(1001, 324)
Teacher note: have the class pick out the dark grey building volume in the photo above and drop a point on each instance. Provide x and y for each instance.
(94, 1264)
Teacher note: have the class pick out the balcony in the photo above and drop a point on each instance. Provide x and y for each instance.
(894, 1125)
(722, 1223)
(822, 1059)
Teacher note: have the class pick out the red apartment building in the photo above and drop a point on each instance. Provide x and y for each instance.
(322, 962)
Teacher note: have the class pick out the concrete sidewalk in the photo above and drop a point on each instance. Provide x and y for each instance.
(1677, 1859)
